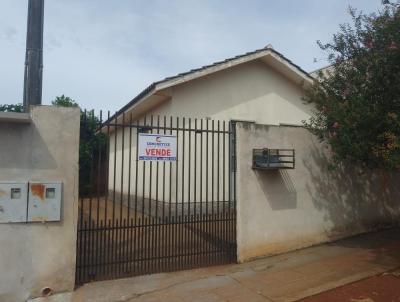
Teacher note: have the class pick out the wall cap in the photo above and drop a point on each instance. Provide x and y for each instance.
(15, 117)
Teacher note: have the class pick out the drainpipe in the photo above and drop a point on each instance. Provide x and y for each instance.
(34, 55)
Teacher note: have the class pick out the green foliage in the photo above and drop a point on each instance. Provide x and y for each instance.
(12, 108)
(357, 99)
(92, 153)
(64, 101)
(92, 146)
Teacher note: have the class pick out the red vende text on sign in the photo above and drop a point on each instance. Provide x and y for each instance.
(158, 152)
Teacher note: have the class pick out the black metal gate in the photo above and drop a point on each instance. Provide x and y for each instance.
(140, 217)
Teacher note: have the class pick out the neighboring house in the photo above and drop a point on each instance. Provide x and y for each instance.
(324, 71)
(260, 86)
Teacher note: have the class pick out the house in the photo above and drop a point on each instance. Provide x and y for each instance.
(257, 99)
(261, 86)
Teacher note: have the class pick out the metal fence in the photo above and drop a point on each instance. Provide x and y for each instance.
(139, 217)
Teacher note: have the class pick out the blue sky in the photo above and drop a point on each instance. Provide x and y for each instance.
(102, 53)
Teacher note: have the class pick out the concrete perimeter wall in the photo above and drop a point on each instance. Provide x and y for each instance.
(38, 255)
(283, 210)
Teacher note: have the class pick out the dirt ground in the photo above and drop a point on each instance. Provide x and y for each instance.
(382, 288)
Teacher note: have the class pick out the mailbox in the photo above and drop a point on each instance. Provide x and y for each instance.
(13, 201)
(269, 159)
(44, 201)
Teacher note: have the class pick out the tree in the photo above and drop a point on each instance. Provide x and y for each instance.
(12, 108)
(64, 101)
(92, 145)
(357, 99)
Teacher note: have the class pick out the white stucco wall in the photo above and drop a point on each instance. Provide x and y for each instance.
(251, 91)
(284, 210)
(38, 255)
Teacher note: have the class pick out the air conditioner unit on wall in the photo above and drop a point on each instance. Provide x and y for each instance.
(273, 159)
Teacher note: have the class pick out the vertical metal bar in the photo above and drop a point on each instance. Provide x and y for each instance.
(114, 247)
(150, 228)
(135, 252)
(151, 172)
(124, 246)
(195, 168)
(160, 242)
(99, 141)
(85, 252)
(224, 168)
(229, 234)
(90, 225)
(218, 229)
(136, 169)
(152, 243)
(131, 247)
(178, 246)
(207, 179)
(223, 165)
(169, 218)
(119, 231)
(207, 243)
(189, 164)
(100, 247)
(173, 248)
(230, 166)
(129, 167)
(218, 165)
(186, 239)
(182, 239)
(122, 167)
(144, 180)
(140, 244)
(183, 166)
(201, 168)
(170, 173)
(115, 165)
(81, 242)
(181, 250)
(145, 244)
(109, 250)
(170, 239)
(234, 191)
(163, 184)
(157, 170)
(177, 170)
(194, 217)
(156, 242)
(212, 166)
(148, 243)
(108, 169)
(188, 217)
(98, 234)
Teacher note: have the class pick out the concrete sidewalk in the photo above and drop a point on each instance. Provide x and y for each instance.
(286, 277)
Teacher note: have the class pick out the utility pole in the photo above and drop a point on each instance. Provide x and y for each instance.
(34, 55)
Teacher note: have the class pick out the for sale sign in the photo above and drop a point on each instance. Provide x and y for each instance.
(157, 147)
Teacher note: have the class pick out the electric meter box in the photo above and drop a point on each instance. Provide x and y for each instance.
(13, 201)
(44, 201)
